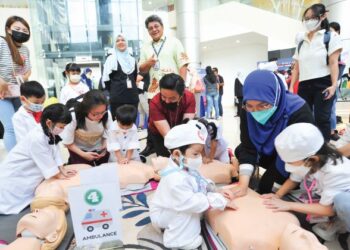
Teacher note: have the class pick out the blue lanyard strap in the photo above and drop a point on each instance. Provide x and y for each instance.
(160, 49)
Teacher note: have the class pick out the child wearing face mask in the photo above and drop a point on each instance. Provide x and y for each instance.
(183, 194)
(123, 142)
(35, 158)
(74, 87)
(86, 136)
(28, 115)
(304, 150)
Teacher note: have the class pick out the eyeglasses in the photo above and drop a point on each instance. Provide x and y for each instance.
(258, 107)
(98, 114)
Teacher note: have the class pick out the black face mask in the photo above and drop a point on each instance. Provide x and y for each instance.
(171, 106)
(20, 37)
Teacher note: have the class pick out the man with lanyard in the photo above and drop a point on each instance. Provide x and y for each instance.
(160, 56)
(169, 108)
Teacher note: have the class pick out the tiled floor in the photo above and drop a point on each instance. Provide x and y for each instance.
(231, 134)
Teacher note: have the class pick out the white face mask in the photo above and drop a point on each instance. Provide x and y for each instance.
(74, 78)
(312, 24)
(194, 163)
(35, 107)
(298, 170)
(56, 130)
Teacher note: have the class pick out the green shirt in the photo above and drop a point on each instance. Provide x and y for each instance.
(171, 58)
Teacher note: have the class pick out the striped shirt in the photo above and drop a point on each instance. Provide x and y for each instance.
(7, 65)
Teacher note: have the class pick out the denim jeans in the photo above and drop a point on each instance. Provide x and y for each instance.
(341, 205)
(8, 107)
(213, 100)
(221, 111)
(333, 114)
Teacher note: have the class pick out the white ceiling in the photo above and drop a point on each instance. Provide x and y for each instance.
(233, 41)
(151, 5)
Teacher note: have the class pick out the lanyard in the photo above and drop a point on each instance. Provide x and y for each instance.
(160, 49)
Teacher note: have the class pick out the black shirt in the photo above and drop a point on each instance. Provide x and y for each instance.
(220, 79)
(119, 92)
(238, 88)
(246, 152)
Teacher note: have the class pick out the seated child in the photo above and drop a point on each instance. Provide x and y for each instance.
(183, 194)
(35, 158)
(28, 115)
(216, 147)
(301, 145)
(123, 141)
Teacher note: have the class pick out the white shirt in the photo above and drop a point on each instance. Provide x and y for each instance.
(332, 180)
(88, 139)
(222, 145)
(25, 167)
(23, 122)
(71, 91)
(313, 55)
(177, 206)
(118, 140)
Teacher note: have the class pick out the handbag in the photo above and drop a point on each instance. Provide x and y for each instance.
(14, 89)
(198, 88)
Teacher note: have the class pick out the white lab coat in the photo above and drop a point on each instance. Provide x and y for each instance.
(25, 167)
(117, 140)
(23, 122)
(177, 207)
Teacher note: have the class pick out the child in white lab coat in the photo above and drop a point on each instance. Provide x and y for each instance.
(74, 87)
(35, 158)
(183, 194)
(28, 115)
(302, 147)
(123, 142)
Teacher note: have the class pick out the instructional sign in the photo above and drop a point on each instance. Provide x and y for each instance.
(95, 207)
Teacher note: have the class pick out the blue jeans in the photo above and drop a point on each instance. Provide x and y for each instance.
(221, 111)
(342, 208)
(333, 113)
(8, 107)
(213, 100)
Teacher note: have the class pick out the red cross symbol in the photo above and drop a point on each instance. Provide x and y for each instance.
(104, 214)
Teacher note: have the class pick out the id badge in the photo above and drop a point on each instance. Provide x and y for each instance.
(156, 66)
(128, 83)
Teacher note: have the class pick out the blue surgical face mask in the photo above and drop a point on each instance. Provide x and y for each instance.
(34, 107)
(264, 115)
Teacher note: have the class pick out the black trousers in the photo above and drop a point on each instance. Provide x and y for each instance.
(116, 105)
(270, 176)
(158, 144)
(311, 92)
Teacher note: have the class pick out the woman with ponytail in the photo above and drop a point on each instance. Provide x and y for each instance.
(15, 69)
(316, 66)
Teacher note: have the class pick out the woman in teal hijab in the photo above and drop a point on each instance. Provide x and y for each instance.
(119, 73)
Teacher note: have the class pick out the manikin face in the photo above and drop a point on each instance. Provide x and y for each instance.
(294, 237)
(42, 223)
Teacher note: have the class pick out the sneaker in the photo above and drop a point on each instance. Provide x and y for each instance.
(143, 159)
(147, 151)
(329, 230)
